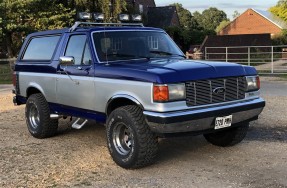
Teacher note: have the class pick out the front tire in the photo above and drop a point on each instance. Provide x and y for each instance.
(130, 141)
(228, 137)
(38, 120)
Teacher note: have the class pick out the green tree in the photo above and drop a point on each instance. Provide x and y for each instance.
(280, 39)
(222, 25)
(20, 17)
(235, 14)
(49, 15)
(119, 7)
(210, 18)
(185, 17)
(104, 7)
(189, 32)
(110, 8)
(280, 9)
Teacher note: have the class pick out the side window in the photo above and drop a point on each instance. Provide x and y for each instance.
(41, 48)
(87, 60)
(79, 49)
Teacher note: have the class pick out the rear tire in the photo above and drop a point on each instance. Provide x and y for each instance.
(229, 137)
(38, 120)
(130, 141)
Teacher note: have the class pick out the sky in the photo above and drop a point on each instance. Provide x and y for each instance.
(228, 6)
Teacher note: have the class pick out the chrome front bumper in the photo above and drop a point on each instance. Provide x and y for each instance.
(203, 118)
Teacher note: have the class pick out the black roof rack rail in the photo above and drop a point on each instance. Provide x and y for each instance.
(77, 24)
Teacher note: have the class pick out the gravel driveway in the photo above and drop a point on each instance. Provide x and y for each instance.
(79, 158)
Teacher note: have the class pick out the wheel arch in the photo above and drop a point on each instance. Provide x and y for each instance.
(121, 100)
(32, 89)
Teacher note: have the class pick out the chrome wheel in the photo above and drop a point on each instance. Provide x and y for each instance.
(122, 139)
(34, 116)
(130, 141)
(37, 113)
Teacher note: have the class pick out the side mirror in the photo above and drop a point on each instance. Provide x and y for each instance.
(67, 60)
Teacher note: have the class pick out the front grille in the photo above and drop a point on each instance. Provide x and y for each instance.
(213, 91)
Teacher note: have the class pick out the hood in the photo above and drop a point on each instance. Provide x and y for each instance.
(171, 70)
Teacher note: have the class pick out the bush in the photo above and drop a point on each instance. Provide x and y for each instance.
(184, 37)
(5, 73)
(280, 39)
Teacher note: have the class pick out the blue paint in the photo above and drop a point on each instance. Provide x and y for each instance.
(20, 99)
(155, 70)
(163, 70)
(77, 112)
(171, 70)
(168, 70)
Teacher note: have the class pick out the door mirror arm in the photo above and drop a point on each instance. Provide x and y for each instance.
(65, 61)
(76, 82)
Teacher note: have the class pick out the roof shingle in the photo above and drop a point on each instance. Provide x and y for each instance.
(162, 17)
(272, 18)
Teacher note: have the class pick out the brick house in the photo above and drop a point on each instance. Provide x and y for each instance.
(254, 21)
(162, 17)
(141, 6)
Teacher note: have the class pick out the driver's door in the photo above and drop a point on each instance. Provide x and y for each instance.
(75, 81)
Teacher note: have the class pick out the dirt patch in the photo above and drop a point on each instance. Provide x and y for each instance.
(80, 158)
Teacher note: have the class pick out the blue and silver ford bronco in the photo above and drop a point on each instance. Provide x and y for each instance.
(136, 81)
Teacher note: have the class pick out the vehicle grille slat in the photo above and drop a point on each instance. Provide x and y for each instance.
(203, 92)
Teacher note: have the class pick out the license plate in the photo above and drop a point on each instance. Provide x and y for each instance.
(222, 122)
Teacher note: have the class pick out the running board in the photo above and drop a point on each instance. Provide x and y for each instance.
(55, 116)
(78, 125)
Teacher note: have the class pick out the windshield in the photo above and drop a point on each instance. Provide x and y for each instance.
(125, 45)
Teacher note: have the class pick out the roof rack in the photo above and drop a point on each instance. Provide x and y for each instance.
(77, 24)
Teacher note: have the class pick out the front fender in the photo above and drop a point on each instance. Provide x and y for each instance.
(123, 96)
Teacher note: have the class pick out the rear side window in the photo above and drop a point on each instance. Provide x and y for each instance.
(41, 48)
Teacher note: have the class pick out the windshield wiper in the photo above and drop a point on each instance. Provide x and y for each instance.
(128, 55)
(120, 55)
(165, 53)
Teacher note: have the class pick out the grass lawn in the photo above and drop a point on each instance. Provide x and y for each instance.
(5, 74)
(283, 76)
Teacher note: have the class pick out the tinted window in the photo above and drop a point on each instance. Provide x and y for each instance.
(78, 48)
(41, 48)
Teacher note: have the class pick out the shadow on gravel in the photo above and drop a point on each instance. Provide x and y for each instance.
(65, 128)
(276, 134)
(180, 147)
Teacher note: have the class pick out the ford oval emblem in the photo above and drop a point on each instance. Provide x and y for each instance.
(219, 90)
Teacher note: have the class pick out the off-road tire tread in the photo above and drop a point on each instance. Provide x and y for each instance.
(49, 126)
(148, 143)
(232, 136)
(148, 140)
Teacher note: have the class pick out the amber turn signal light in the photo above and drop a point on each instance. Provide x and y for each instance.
(160, 93)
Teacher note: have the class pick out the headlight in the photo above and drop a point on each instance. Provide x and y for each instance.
(168, 92)
(252, 83)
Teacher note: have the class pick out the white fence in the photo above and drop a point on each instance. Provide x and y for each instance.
(266, 59)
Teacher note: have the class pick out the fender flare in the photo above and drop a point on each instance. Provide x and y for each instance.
(125, 96)
(36, 86)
